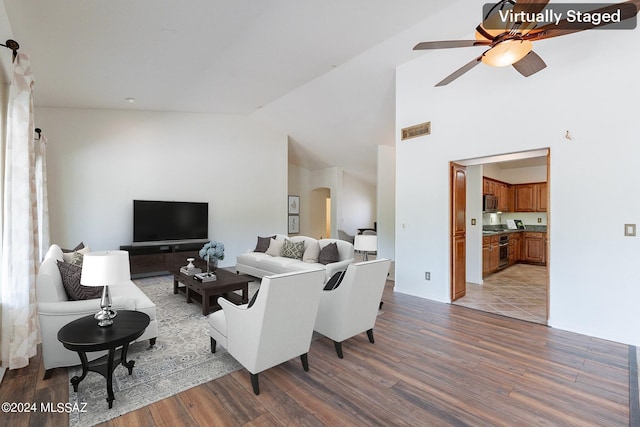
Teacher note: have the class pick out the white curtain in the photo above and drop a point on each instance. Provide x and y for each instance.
(41, 196)
(20, 333)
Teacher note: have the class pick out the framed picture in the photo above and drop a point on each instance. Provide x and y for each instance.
(294, 205)
(294, 224)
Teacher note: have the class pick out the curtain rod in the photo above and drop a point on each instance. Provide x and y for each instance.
(13, 45)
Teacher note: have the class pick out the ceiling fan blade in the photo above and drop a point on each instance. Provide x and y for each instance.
(460, 71)
(530, 64)
(446, 44)
(628, 10)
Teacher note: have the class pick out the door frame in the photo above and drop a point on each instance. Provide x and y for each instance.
(487, 160)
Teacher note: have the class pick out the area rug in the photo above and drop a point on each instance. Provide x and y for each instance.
(181, 359)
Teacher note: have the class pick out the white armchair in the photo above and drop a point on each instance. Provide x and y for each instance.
(276, 328)
(352, 307)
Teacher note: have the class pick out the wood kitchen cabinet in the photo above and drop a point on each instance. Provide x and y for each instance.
(501, 190)
(541, 197)
(515, 248)
(490, 255)
(534, 248)
(530, 197)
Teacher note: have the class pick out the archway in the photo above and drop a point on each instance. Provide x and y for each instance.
(320, 216)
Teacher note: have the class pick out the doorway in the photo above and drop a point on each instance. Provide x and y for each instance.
(521, 289)
(320, 217)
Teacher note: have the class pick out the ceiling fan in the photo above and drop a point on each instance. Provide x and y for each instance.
(510, 27)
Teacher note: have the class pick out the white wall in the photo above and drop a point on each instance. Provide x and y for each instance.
(353, 201)
(299, 186)
(359, 205)
(594, 269)
(100, 160)
(386, 196)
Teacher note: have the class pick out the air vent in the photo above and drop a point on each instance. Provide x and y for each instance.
(416, 130)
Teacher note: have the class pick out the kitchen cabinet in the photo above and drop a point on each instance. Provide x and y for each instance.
(534, 247)
(530, 197)
(541, 197)
(515, 248)
(490, 254)
(524, 197)
(501, 190)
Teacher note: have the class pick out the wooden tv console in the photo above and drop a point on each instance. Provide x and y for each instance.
(160, 258)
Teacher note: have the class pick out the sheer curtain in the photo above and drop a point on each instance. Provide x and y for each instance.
(41, 195)
(20, 333)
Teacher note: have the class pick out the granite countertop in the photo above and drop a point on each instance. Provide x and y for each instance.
(495, 229)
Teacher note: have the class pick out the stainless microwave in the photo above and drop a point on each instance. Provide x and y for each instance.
(490, 203)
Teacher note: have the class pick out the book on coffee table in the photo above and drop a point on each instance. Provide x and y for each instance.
(190, 271)
(205, 277)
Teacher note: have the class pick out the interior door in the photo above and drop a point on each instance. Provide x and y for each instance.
(458, 230)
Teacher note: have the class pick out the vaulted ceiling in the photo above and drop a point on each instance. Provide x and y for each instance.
(321, 71)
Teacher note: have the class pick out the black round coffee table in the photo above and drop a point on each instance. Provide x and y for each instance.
(84, 335)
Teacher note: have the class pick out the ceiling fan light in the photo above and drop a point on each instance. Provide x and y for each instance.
(507, 52)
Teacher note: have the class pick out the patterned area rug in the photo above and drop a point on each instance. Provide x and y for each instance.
(181, 359)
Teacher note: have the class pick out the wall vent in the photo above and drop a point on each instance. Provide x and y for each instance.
(416, 130)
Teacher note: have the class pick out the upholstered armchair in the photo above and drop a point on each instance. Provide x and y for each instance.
(278, 326)
(352, 307)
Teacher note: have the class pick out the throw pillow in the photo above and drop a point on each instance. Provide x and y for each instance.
(253, 299)
(312, 252)
(263, 243)
(329, 254)
(334, 281)
(77, 258)
(275, 247)
(293, 249)
(70, 275)
(68, 256)
(77, 248)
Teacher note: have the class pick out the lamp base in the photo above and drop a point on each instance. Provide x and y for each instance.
(105, 317)
(106, 314)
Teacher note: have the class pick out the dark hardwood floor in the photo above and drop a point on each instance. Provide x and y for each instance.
(431, 364)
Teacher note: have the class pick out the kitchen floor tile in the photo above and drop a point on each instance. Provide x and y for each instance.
(519, 291)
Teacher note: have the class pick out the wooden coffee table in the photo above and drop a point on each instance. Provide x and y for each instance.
(204, 292)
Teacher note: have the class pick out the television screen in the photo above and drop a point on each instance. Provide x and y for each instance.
(155, 221)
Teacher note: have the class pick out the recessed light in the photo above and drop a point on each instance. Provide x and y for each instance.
(130, 100)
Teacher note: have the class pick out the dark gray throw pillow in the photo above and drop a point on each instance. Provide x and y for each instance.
(263, 244)
(70, 275)
(253, 299)
(334, 281)
(77, 248)
(329, 254)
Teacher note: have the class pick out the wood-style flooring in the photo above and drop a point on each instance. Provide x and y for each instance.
(432, 364)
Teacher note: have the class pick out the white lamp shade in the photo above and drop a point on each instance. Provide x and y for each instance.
(106, 268)
(367, 243)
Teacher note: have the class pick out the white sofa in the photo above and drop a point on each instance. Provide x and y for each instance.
(259, 264)
(56, 310)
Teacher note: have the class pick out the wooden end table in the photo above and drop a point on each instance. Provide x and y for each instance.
(84, 335)
(203, 292)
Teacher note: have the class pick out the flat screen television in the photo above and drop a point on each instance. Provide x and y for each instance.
(162, 221)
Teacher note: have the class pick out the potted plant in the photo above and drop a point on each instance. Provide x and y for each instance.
(212, 252)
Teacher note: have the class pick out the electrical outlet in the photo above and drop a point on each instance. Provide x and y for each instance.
(539, 220)
(427, 275)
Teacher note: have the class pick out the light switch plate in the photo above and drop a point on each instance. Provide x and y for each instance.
(629, 229)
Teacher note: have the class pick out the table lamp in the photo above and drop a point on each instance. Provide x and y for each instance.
(106, 268)
(366, 243)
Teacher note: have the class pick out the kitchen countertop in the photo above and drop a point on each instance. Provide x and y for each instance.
(493, 230)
